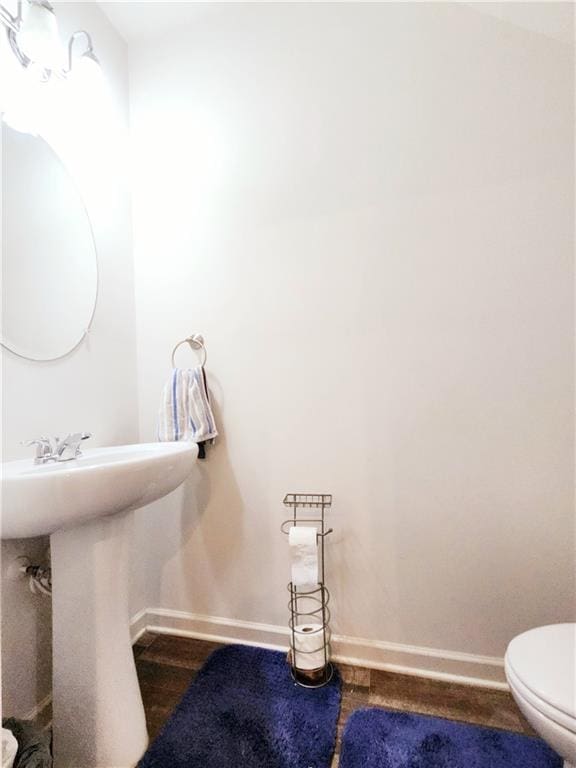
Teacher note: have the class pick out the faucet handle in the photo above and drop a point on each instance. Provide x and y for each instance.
(37, 441)
(71, 444)
(43, 447)
(77, 437)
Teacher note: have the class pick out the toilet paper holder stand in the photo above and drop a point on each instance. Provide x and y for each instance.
(310, 606)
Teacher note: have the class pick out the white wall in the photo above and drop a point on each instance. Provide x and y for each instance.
(95, 388)
(368, 211)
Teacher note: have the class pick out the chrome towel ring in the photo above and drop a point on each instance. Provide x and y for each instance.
(196, 341)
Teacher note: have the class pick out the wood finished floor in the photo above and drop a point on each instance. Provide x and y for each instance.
(167, 665)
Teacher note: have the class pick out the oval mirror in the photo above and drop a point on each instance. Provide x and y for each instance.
(49, 262)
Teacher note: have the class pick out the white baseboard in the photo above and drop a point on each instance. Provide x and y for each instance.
(484, 671)
(138, 625)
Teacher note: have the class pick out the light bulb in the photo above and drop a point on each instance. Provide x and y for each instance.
(38, 36)
(87, 69)
(87, 86)
(86, 75)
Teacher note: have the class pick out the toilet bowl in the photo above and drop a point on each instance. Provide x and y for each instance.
(541, 672)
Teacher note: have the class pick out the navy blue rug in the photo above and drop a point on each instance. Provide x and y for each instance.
(376, 738)
(243, 710)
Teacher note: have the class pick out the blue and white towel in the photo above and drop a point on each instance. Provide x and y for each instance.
(185, 412)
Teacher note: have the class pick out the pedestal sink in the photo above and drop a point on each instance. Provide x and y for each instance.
(84, 506)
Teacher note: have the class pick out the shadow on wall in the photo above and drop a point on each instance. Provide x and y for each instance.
(25, 685)
(197, 532)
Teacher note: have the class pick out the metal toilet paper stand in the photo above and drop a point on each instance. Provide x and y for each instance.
(310, 606)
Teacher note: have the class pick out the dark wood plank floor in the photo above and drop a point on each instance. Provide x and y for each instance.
(167, 665)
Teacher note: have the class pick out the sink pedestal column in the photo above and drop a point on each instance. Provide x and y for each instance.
(98, 713)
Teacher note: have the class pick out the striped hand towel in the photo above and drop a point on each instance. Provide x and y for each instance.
(185, 412)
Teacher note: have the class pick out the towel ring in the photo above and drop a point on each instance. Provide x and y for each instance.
(196, 341)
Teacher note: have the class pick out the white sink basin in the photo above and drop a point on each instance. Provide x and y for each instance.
(38, 500)
(84, 505)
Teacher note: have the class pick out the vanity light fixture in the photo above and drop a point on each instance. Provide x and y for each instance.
(84, 69)
(37, 38)
(88, 54)
(33, 36)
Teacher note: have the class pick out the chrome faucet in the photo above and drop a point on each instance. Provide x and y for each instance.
(66, 449)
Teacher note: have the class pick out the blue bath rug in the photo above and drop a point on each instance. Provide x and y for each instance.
(376, 738)
(243, 710)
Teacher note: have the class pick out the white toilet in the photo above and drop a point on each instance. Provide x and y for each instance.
(541, 671)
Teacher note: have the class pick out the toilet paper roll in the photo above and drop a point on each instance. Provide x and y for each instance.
(304, 556)
(309, 647)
